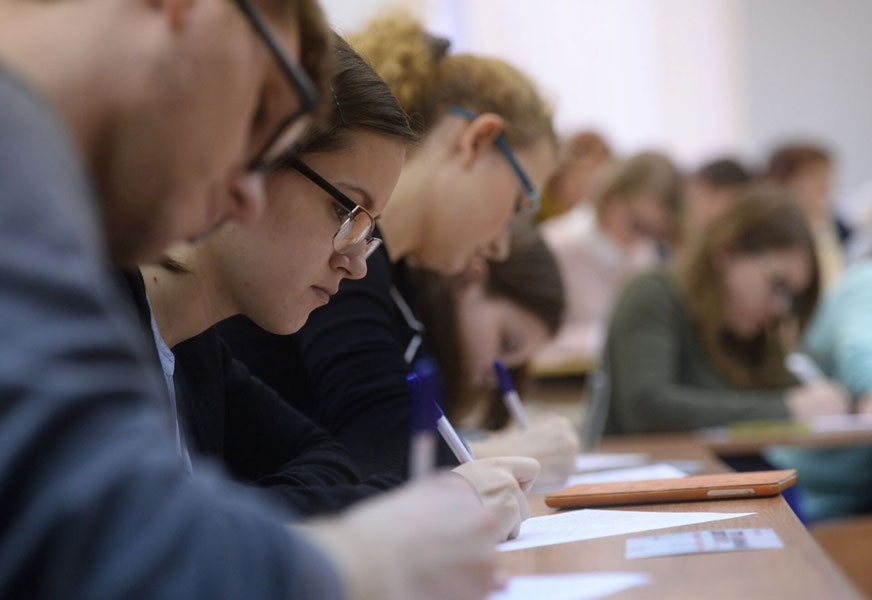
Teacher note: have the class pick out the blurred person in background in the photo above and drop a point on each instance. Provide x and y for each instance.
(507, 311)
(634, 215)
(837, 482)
(807, 171)
(710, 191)
(581, 158)
(704, 343)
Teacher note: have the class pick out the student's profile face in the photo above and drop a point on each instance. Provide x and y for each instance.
(491, 328)
(476, 204)
(175, 161)
(761, 290)
(639, 219)
(281, 268)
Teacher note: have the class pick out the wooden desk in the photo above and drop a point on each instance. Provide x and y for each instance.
(667, 446)
(750, 445)
(799, 570)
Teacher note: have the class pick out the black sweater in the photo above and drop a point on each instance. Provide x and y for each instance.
(235, 418)
(346, 368)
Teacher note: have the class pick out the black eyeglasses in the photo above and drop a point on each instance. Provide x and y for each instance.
(535, 198)
(292, 126)
(358, 224)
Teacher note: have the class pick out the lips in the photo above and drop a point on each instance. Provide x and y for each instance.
(323, 294)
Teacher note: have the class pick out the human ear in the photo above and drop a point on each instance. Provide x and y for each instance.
(478, 137)
(475, 273)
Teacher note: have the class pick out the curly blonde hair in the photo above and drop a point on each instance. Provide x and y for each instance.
(428, 81)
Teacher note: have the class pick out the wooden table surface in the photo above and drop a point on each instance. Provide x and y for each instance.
(749, 445)
(799, 570)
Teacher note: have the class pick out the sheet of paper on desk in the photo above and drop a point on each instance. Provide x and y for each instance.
(588, 524)
(596, 462)
(693, 542)
(576, 586)
(646, 473)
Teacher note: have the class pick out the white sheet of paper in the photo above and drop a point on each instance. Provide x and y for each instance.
(590, 523)
(693, 542)
(837, 423)
(596, 462)
(575, 586)
(648, 472)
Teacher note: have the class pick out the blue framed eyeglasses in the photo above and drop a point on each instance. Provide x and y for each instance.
(535, 197)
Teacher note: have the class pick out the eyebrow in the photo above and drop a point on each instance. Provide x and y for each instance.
(367, 202)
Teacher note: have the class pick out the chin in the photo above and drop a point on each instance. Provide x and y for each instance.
(282, 326)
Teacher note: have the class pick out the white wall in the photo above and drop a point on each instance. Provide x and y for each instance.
(349, 15)
(694, 77)
(809, 65)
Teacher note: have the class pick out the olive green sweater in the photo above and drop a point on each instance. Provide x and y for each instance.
(661, 378)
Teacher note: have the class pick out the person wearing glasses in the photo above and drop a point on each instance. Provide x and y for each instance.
(486, 145)
(107, 153)
(314, 235)
(705, 344)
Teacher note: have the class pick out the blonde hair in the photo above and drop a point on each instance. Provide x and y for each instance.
(428, 81)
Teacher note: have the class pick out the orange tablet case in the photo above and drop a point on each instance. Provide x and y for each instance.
(685, 489)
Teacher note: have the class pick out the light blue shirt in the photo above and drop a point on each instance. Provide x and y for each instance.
(840, 335)
(168, 367)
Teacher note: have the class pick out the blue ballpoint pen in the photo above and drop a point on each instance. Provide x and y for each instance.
(425, 368)
(422, 449)
(510, 396)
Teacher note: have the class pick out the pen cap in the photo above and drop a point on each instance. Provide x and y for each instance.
(426, 369)
(424, 416)
(506, 383)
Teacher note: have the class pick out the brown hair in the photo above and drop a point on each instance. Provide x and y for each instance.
(786, 161)
(585, 146)
(529, 278)
(428, 81)
(724, 173)
(357, 98)
(764, 219)
(645, 172)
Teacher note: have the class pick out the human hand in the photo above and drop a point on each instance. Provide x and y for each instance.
(819, 398)
(503, 483)
(551, 439)
(432, 539)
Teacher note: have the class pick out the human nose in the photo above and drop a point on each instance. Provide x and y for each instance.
(352, 263)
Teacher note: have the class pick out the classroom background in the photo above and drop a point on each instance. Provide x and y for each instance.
(694, 79)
